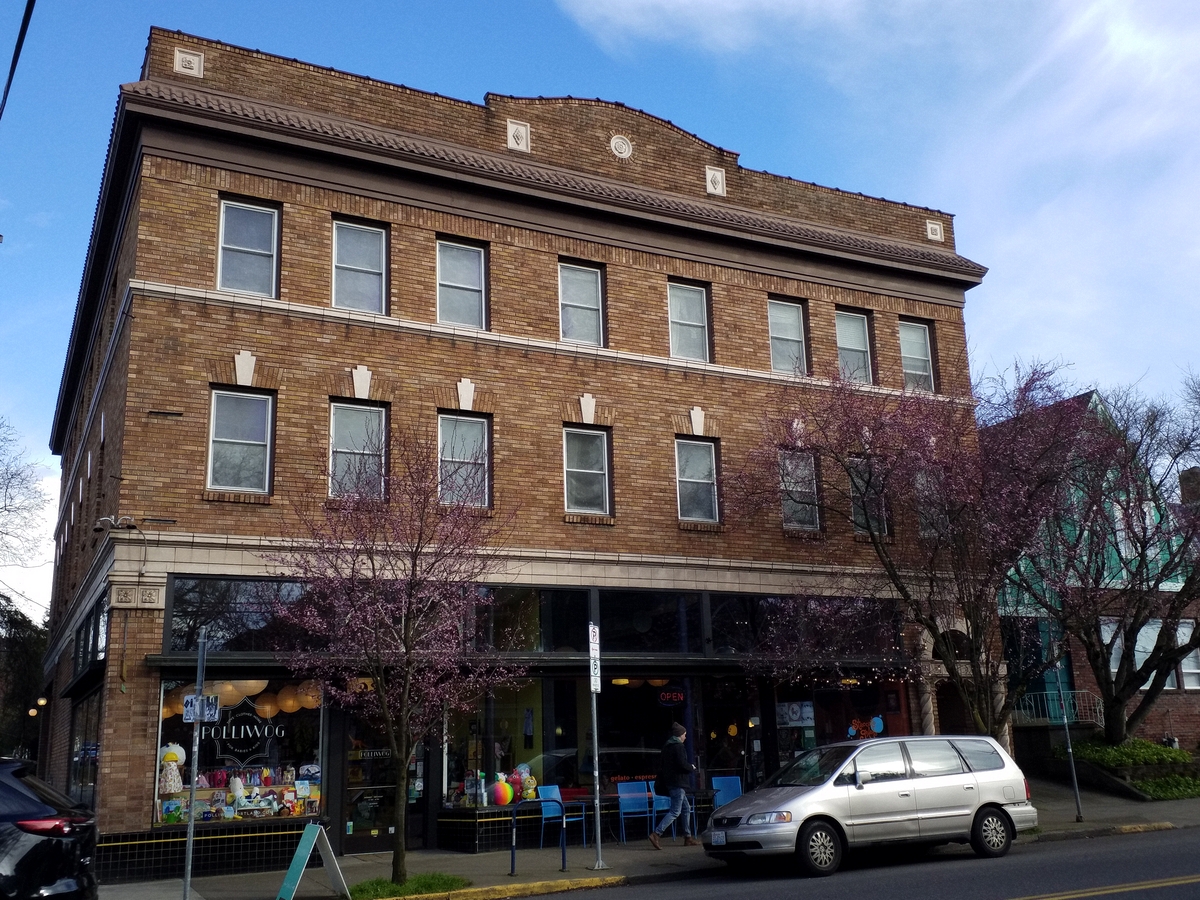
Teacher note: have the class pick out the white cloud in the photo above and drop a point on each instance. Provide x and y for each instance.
(29, 586)
(1064, 135)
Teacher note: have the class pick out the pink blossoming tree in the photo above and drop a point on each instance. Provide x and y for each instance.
(394, 567)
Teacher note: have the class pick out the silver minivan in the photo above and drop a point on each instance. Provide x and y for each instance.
(921, 789)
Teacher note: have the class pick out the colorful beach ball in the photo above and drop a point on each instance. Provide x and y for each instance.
(502, 793)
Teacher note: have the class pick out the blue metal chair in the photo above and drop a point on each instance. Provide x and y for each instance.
(552, 811)
(633, 802)
(728, 788)
(661, 805)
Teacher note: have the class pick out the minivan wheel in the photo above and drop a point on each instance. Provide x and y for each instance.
(819, 848)
(991, 835)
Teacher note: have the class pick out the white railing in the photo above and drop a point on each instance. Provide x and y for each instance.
(1044, 709)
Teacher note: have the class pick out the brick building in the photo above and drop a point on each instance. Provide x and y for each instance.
(285, 255)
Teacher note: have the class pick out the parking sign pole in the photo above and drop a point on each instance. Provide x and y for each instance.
(594, 662)
(201, 651)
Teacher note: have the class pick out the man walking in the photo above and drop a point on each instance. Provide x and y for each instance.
(674, 773)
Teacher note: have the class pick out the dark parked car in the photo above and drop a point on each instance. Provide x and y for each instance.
(46, 841)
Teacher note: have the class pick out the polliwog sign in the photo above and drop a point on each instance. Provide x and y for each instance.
(242, 736)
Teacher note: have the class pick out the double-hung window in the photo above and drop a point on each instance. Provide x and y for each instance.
(868, 504)
(688, 313)
(463, 460)
(460, 295)
(786, 325)
(356, 450)
(585, 471)
(239, 457)
(854, 347)
(696, 480)
(1190, 667)
(798, 489)
(580, 304)
(249, 235)
(915, 357)
(358, 267)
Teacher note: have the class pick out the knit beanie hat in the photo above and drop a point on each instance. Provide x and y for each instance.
(677, 730)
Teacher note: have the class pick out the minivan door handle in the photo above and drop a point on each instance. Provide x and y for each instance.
(968, 787)
(906, 793)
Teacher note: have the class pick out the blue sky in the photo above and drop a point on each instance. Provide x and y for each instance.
(1064, 136)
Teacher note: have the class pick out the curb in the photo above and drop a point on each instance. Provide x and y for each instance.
(1102, 831)
(525, 889)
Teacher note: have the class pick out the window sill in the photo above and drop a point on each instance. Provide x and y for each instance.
(237, 497)
(588, 519)
(866, 538)
(797, 533)
(712, 527)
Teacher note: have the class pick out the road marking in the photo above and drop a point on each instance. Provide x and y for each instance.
(1116, 888)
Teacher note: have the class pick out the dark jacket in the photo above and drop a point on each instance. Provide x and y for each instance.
(674, 770)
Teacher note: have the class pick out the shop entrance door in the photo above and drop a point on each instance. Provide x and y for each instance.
(370, 792)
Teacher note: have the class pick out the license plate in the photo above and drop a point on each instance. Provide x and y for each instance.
(718, 838)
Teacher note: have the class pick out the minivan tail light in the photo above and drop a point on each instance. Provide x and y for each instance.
(57, 826)
(1028, 794)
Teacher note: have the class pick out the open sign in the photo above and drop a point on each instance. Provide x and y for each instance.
(671, 696)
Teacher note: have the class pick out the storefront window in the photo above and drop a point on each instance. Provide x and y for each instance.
(239, 614)
(650, 622)
(738, 622)
(261, 759)
(564, 621)
(85, 749)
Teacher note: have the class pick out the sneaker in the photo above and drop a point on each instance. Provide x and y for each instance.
(654, 842)
(689, 841)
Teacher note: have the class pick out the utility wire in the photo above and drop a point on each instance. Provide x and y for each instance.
(12, 69)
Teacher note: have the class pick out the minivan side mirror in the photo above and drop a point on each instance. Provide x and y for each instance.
(861, 778)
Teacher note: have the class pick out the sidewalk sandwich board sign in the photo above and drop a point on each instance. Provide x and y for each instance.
(313, 834)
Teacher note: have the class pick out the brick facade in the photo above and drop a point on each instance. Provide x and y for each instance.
(154, 336)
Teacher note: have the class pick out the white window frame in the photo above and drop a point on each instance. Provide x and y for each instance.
(927, 359)
(212, 427)
(274, 254)
(338, 225)
(672, 322)
(599, 342)
(839, 315)
(380, 454)
(789, 483)
(1189, 666)
(712, 449)
(802, 356)
(578, 510)
(486, 460)
(483, 286)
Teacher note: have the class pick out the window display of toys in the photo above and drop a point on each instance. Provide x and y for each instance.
(171, 757)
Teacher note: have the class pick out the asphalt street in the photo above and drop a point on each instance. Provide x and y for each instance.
(1161, 865)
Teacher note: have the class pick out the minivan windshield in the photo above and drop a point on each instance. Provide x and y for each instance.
(810, 769)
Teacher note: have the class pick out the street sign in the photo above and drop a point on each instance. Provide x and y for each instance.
(202, 708)
(594, 655)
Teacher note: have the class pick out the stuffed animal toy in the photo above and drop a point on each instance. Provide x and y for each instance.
(529, 785)
(169, 781)
(237, 790)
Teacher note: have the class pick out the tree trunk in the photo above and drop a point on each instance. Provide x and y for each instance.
(1115, 722)
(399, 845)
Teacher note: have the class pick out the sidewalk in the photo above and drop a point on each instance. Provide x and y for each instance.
(538, 870)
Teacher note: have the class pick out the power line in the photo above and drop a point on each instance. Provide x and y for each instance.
(12, 69)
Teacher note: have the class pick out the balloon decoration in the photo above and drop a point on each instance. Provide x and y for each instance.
(250, 688)
(229, 694)
(266, 705)
(288, 699)
(310, 694)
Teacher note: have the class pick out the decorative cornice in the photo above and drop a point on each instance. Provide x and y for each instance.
(565, 183)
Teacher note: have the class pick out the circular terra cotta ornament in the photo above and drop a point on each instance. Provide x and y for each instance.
(621, 146)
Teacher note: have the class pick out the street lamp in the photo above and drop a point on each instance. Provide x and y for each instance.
(106, 523)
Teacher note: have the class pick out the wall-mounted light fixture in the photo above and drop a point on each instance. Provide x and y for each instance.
(108, 523)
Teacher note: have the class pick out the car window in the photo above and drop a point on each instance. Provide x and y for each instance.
(930, 758)
(21, 794)
(811, 768)
(980, 755)
(883, 762)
